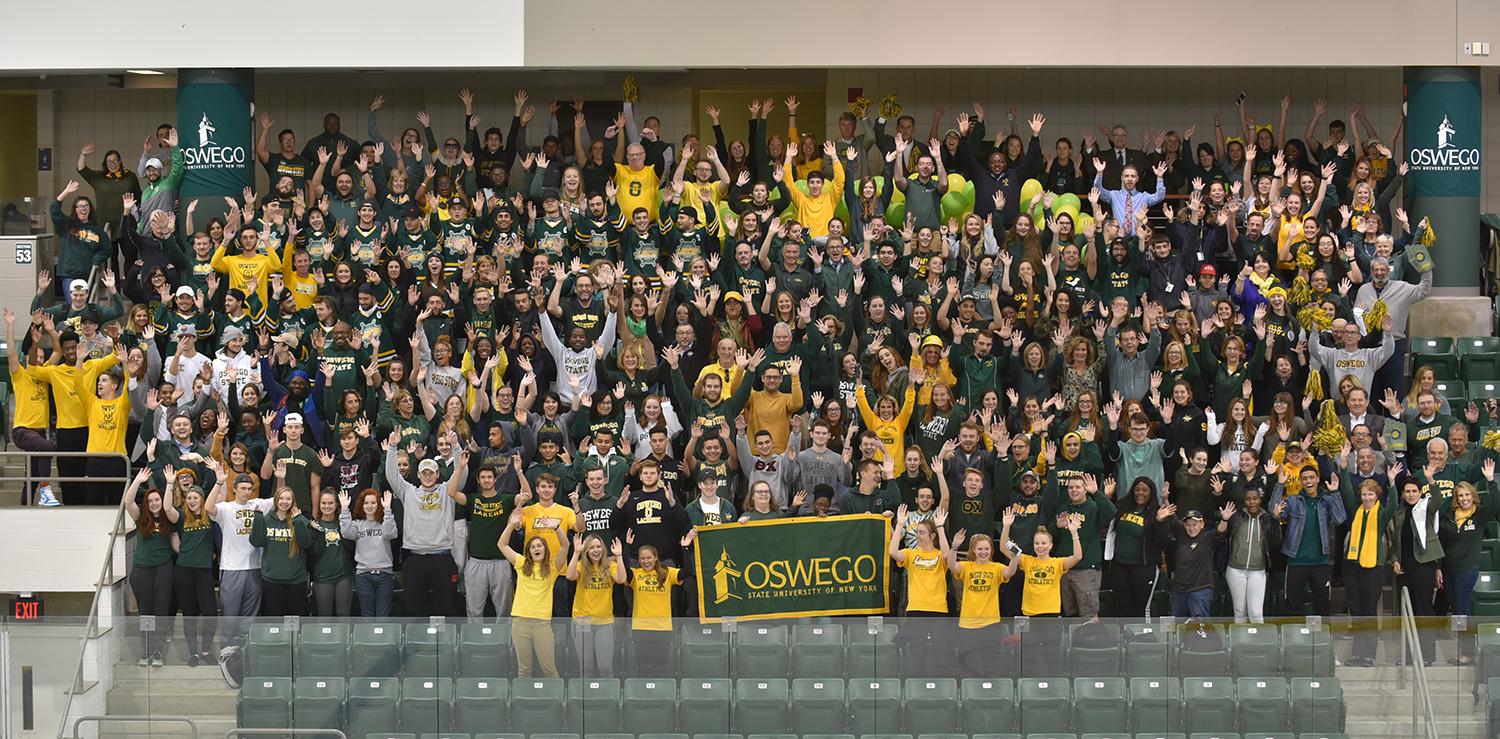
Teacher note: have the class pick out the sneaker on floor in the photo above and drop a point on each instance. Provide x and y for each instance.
(144, 661)
(157, 661)
(192, 660)
(45, 498)
(230, 666)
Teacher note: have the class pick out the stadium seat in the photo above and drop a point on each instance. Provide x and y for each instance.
(536, 704)
(390, 735)
(649, 706)
(985, 704)
(480, 703)
(1481, 390)
(1155, 704)
(372, 704)
(703, 651)
(1489, 554)
(484, 650)
(270, 651)
(1043, 654)
(426, 704)
(1488, 640)
(752, 736)
(819, 705)
(885, 736)
(1263, 703)
(1487, 594)
(593, 704)
(818, 650)
(1214, 735)
(762, 705)
(499, 736)
(556, 736)
(1100, 704)
(1212, 703)
(931, 703)
(1147, 651)
(874, 705)
(996, 736)
(1046, 705)
(1453, 391)
(685, 736)
(823, 736)
(1322, 735)
(1306, 652)
(323, 651)
(445, 735)
(609, 736)
(318, 702)
(374, 651)
(1317, 705)
(1435, 352)
(265, 703)
(429, 650)
(704, 706)
(1266, 735)
(942, 736)
(1202, 651)
(1161, 735)
(761, 651)
(1088, 661)
(1121, 735)
(872, 652)
(1254, 649)
(718, 736)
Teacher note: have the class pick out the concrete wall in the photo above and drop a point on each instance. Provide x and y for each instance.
(62, 549)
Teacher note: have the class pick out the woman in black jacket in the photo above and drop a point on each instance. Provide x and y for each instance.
(1136, 559)
(1254, 538)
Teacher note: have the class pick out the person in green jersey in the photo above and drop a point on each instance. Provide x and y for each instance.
(487, 574)
(193, 574)
(333, 561)
(151, 569)
(284, 536)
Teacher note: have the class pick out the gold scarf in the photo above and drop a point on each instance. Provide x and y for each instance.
(1364, 538)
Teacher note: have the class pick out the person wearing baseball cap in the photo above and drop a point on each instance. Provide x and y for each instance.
(1205, 293)
(427, 532)
(1192, 548)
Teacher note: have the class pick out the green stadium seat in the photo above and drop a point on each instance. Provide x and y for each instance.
(872, 652)
(1487, 594)
(323, 650)
(1482, 389)
(500, 736)
(819, 705)
(1453, 391)
(705, 705)
(1306, 652)
(390, 735)
(1489, 554)
(1317, 705)
(1121, 735)
(762, 651)
(1254, 649)
(1483, 365)
(931, 703)
(1056, 735)
(1042, 651)
(887, 736)
(555, 736)
(374, 650)
(985, 704)
(822, 736)
(874, 705)
(1195, 661)
(1263, 703)
(703, 651)
(1155, 704)
(818, 650)
(1091, 661)
(484, 650)
(1212, 703)
(942, 736)
(649, 706)
(426, 704)
(997, 736)
(718, 736)
(449, 735)
(429, 650)
(1161, 735)
(536, 704)
(1435, 352)
(1466, 345)
(593, 704)
(1488, 641)
(1268, 735)
(752, 736)
(1046, 704)
(609, 736)
(265, 703)
(480, 703)
(318, 702)
(1100, 704)
(685, 736)
(1322, 735)
(372, 704)
(1214, 735)
(762, 705)
(1147, 651)
(270, 651)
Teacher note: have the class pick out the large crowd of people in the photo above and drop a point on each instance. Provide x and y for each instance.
(524, 376)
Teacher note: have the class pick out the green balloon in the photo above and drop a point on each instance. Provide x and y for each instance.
(1066, 201)
(954, 205)
(895, 213)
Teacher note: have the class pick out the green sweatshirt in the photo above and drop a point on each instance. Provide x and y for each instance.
(487, 517)
(275, 536)
(1097, 511)
(333, 555)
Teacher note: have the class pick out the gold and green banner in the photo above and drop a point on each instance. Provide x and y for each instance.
(793, 567)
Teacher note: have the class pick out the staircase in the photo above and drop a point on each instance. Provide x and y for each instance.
(174, 690)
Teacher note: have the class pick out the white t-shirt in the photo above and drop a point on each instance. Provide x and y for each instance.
(187, 369)
(236, 520)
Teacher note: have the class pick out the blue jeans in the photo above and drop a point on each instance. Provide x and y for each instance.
(375, 591)
(1192, 604)
(1460, 587)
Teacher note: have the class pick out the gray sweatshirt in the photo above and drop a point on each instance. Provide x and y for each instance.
(579, 364)
(822, 468)
(1399, 297)
(426, 513)
(776, 469)
(372, 541)
(1359, 364)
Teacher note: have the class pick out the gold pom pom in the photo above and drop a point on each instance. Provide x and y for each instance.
(628, 91)
(1328, 436)
(1426, 236)
(1492, 441)
(859, 106)
(889, 108)
(1375, 316)
(1313, 316)
(1314, 386)
(1305, 257)
(1301, 292)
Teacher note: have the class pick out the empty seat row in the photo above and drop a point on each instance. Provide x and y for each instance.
(804, 650)
(805, 706)
(1201, 735)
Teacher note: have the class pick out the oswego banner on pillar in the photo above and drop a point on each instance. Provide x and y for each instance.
(793, 567)
(213, 129)
(1443, 133)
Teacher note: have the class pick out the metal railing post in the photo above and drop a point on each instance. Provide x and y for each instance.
(334, 733)
(193, 725)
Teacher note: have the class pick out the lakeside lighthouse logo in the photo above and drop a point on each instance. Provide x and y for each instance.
(1449, 155)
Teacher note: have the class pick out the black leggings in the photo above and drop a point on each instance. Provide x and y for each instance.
(194, 587)
(1132, 586)
(1421, 580)
(73, 440)
(1304, 579)
(431, 582)
(153, 597)
(283, 598)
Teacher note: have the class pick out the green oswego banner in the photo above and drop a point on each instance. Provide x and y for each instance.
(1443, 132)
(793, 567)
(213, 129)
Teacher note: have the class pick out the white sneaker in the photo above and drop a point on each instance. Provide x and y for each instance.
(45, 498)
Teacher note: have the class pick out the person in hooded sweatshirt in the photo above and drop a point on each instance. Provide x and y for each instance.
(577, 360)
(430, 571)
(651, 514)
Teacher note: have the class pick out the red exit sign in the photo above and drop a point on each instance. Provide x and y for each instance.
(26, 608)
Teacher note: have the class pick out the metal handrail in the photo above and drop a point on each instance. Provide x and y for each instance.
(337, 734)
(91, 625)
(26, 477)
(133, 719)
(1421, 696)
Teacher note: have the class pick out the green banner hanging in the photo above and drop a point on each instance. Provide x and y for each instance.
(213, 129)
(1443, 133)
(794, 567)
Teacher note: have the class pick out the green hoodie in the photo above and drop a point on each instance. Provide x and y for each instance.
(275, 536)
